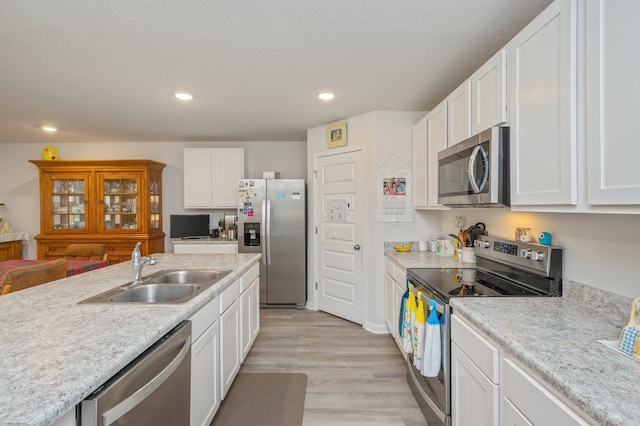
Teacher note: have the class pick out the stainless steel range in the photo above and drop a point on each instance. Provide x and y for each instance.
(504, 268)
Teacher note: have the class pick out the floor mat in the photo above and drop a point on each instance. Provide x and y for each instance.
(266, 399)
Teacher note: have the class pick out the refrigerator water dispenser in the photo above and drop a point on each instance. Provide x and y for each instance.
(251, 234)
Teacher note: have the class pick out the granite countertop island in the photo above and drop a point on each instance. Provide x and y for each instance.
(557, 338)
(54, 352)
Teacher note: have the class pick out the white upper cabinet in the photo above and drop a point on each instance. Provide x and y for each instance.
(489, 94)
(436, 142)
(543, 109)
(613, 102)
(459, 113)
(419, 141)
(211, 177)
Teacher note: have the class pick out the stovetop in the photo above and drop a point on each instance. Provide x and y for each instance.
(504, 268)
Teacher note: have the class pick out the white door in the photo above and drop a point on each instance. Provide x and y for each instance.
(339, 238)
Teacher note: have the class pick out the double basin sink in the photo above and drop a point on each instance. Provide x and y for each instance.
(167, 286)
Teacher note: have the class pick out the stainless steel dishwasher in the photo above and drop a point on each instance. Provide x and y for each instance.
(154, 389)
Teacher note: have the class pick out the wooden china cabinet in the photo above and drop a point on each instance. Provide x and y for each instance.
(115, 202)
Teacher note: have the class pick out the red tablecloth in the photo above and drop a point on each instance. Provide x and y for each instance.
(74, 267)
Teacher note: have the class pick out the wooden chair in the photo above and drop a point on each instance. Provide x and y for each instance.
(33, 275)
(88, 251)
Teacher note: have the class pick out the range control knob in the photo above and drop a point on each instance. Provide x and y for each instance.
(537, 255)
(481, 244)
(526, 253)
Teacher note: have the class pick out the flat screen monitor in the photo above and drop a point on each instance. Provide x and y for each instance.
(189, 225)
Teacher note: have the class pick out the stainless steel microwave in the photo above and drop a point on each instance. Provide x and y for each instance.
(475, 172)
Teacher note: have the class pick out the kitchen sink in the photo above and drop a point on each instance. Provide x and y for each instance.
(155, 293)
(168, 286)
(184, 276)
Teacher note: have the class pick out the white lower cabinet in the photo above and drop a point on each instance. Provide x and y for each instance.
(205, 348)
(474, 377)
(230, 351)
(250, 308)
(489, 387)
(531, 402)
(394, 288)
(216, 352)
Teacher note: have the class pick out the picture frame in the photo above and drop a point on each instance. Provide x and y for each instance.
(337, 134)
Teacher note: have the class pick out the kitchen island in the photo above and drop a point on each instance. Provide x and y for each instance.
(55, 352)
(556, 339)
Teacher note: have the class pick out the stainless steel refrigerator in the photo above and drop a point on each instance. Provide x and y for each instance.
(272, 221)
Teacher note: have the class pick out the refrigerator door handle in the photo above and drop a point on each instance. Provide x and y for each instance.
(268, 239)
(265, 238)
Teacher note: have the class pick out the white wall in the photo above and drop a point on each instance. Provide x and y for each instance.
(383, 134)
(600, 250)
(19, 188)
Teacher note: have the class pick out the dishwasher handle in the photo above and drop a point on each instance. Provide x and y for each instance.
(112, 415)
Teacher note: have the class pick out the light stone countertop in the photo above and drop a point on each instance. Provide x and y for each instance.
(203, 241)
(557, 338)
(54, 352)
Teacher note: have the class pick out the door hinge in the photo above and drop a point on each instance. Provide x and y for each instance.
(316, 285)
(316, 230)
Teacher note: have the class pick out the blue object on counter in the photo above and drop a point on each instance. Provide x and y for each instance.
(545, 239)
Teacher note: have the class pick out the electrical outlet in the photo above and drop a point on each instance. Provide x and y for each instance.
(459, 222)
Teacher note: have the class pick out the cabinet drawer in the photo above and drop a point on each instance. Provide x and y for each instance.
(229, 295)
(533, 400)
(388, 267)
(249, 277)
(204, 318)
(400, 275)
(480, 350)
(54, 250)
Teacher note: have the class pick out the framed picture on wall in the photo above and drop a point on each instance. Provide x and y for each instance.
(337, 134)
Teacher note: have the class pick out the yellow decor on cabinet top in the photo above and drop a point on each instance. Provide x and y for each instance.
(50, 153)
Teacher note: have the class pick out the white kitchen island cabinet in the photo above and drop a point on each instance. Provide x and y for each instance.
(230, 336)
(211, 177)
(250, 308)
(543, 108)
(205, 366)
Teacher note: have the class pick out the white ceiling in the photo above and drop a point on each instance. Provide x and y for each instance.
(106, 70)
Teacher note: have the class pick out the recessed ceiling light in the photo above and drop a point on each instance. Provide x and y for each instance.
(50, 129)
(326, 95)
(183, 96)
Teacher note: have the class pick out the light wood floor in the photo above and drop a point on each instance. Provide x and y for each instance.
(353, 377)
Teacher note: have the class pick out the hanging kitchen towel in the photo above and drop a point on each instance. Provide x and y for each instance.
(407, 340)
(418, 334)
(403, 305)
(432, 350)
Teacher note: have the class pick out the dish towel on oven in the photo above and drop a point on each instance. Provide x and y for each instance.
(418, 334)
(432, 347)
(407, 329)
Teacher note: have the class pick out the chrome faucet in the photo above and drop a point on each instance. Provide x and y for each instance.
(137, 263)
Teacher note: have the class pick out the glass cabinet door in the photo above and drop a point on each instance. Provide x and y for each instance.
(119, 196)
(68, 203)
(155, 204)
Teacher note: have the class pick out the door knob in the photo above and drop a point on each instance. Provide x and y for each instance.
(356, 247)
